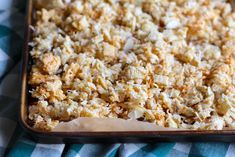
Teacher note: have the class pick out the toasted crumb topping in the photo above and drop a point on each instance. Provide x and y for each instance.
(171, 63)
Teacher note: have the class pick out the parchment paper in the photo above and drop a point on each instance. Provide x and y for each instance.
(107, 124)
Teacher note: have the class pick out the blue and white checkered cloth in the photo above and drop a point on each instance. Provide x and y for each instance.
(14, 142)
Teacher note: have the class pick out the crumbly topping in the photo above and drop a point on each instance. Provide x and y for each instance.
(168, 62)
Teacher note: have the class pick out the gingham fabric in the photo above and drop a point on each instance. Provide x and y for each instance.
(14, 142)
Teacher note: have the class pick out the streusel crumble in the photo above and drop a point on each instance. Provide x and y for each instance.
(168, 62)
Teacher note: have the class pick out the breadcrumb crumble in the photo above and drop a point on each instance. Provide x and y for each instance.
(168, 62)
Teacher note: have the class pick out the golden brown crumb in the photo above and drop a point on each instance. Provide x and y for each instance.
(166, 62)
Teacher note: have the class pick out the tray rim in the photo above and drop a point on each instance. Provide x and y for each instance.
(105, 134)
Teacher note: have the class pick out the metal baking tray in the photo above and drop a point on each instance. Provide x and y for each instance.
(103, 137)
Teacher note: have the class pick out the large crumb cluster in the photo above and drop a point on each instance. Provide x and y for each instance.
(169, 62)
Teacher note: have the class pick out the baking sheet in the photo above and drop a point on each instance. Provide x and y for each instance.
(99, 124)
